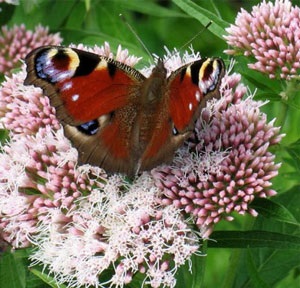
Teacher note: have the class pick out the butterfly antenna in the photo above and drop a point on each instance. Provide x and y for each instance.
(188, 42)
(136, 35)
(195, 36)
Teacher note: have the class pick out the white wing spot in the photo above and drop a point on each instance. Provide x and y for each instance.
(190, 106)
(67, 86)
(75, 97)
(202, 87)
(61, 75)
(198, 96)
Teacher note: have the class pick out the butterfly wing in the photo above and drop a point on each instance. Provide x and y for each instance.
(115, 117)
(188, 88)
(94, 97)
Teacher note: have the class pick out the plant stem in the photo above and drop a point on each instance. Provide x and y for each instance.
(288, 94)
(281, 118)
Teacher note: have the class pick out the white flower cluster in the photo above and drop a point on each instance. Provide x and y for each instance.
(127, 232)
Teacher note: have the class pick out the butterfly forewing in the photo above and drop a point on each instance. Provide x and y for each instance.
(82, 86)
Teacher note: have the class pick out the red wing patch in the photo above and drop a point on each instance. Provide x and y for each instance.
(190, 87)
(86, 98)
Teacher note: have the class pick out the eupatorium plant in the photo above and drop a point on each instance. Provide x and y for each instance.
(85, 224)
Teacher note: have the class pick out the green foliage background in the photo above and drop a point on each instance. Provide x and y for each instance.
(261, 252)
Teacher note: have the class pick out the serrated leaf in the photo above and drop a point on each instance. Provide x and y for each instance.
(274, 264)
(276, 211)
(254, 239)
(293, 150)
(291, 200)
(295, 146)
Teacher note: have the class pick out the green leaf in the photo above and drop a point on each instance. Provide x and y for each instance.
(149, 8)
(291, 200)
(294, 150)
(22, 253)
(203, 16)
(4, 136)
(256, 279)
(272, 261)
(259, 95)
(31, 191)
(276, 211)
(254, 239)
(7, 12)
(46, 278)
(12, 271)
(191, 276)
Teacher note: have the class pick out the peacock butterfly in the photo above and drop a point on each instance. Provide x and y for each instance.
(116, 117)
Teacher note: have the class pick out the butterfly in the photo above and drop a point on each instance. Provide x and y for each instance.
(116, 117)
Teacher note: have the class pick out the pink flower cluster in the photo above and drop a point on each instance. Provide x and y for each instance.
(17, 42)
(227, 163)
(24, 110)
(81, 221)
(271, 34)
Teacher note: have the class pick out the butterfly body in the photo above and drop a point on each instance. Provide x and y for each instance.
(116, 117)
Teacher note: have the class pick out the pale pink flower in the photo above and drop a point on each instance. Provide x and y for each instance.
(271, 34)
(128, 231)
(24, 110)
(44, 202)
(38, 174)
(38, 170)
(17, 42)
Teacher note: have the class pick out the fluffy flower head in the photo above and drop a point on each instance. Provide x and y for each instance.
(17, 42)
(108, 228)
